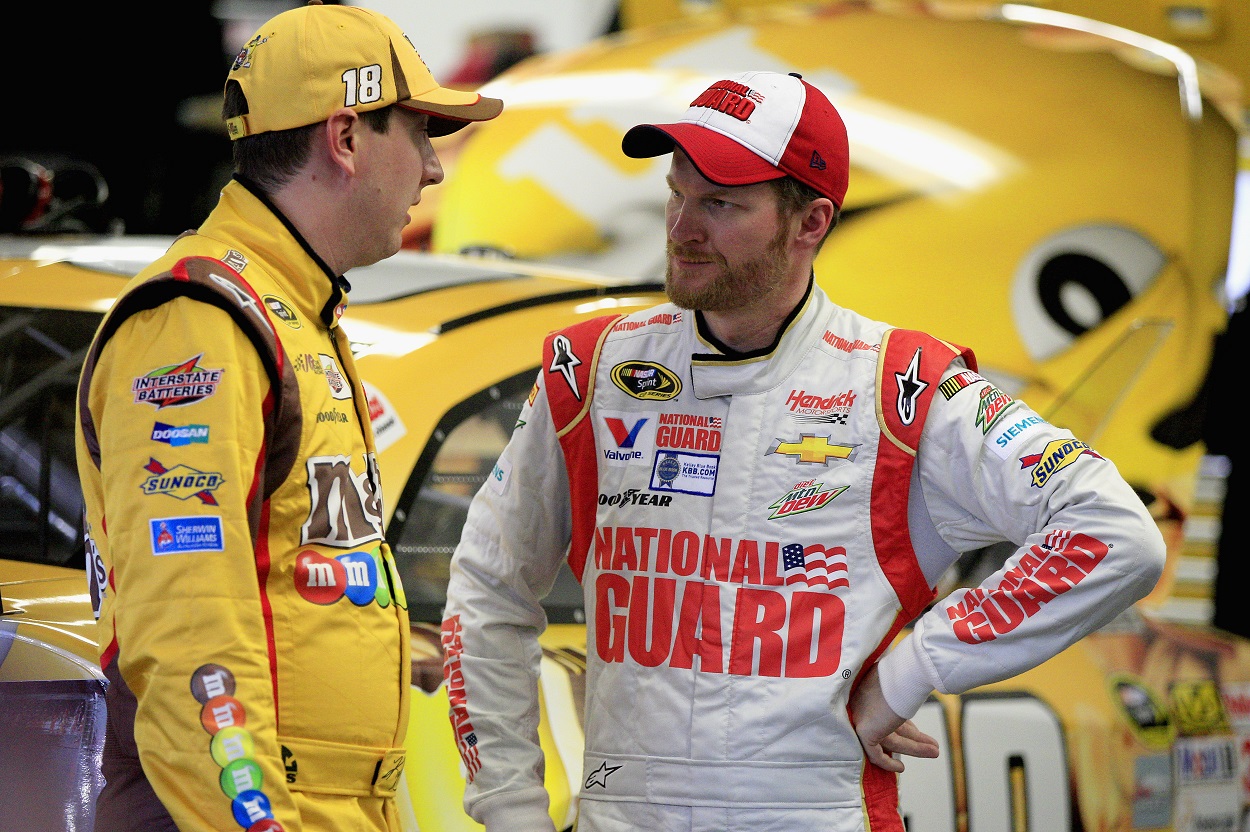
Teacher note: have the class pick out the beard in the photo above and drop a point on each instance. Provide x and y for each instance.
(734, 287)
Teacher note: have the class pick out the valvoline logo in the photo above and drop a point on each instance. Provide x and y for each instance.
(632, 437)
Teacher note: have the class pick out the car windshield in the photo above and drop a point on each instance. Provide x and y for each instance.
(426, 525)
(41, 352)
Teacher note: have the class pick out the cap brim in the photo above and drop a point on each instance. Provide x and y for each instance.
(450, 110)
(719, 158)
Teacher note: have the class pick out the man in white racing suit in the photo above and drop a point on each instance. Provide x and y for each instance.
(759, 490)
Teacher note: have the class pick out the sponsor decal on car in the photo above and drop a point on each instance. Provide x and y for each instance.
(686, 473)
(1057, 455)
(804, 496)
(1152, 791)
(176, 385)
(1198, 708)
(1236, 697)
(646, 380)
(1205, 760)
(1147, 714)
(810, 449)
(282, 311)
(182, 482)
(387, 426)
(181, 535)
(180, 435)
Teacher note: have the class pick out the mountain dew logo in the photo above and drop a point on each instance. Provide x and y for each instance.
(807, 495)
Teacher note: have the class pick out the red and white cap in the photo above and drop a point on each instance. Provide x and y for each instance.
(754, 127)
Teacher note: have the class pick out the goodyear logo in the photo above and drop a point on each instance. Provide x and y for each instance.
(1057, 455)
(646, 380)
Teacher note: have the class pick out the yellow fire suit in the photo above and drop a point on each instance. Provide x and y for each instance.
(251, 622)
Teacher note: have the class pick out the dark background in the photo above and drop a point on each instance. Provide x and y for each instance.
(126, 91)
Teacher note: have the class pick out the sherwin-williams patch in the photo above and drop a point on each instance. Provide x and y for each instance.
(180, 535)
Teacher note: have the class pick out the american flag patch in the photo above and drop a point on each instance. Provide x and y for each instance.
(815, 565)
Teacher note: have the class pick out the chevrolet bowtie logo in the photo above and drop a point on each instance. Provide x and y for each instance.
(814, 450)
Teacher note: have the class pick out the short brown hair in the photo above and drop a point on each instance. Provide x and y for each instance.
(270, 160)
(793, 196)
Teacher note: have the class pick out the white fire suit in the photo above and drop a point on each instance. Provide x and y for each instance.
(752, 532)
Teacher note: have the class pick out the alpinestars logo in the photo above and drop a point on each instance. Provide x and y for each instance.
(564, 363)
(909, 389)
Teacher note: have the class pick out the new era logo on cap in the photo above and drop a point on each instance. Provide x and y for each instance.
(754, 127)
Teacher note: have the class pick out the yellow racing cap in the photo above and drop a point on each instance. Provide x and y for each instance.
(305, 63)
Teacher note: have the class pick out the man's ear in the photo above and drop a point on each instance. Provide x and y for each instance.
(341, 136)
(814, 222)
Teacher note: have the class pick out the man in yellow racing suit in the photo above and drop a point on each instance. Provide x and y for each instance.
(252, 625)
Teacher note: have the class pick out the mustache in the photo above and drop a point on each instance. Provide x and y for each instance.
(675, 250)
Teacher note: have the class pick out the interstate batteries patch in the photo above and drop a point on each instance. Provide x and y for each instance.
(176, 385)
